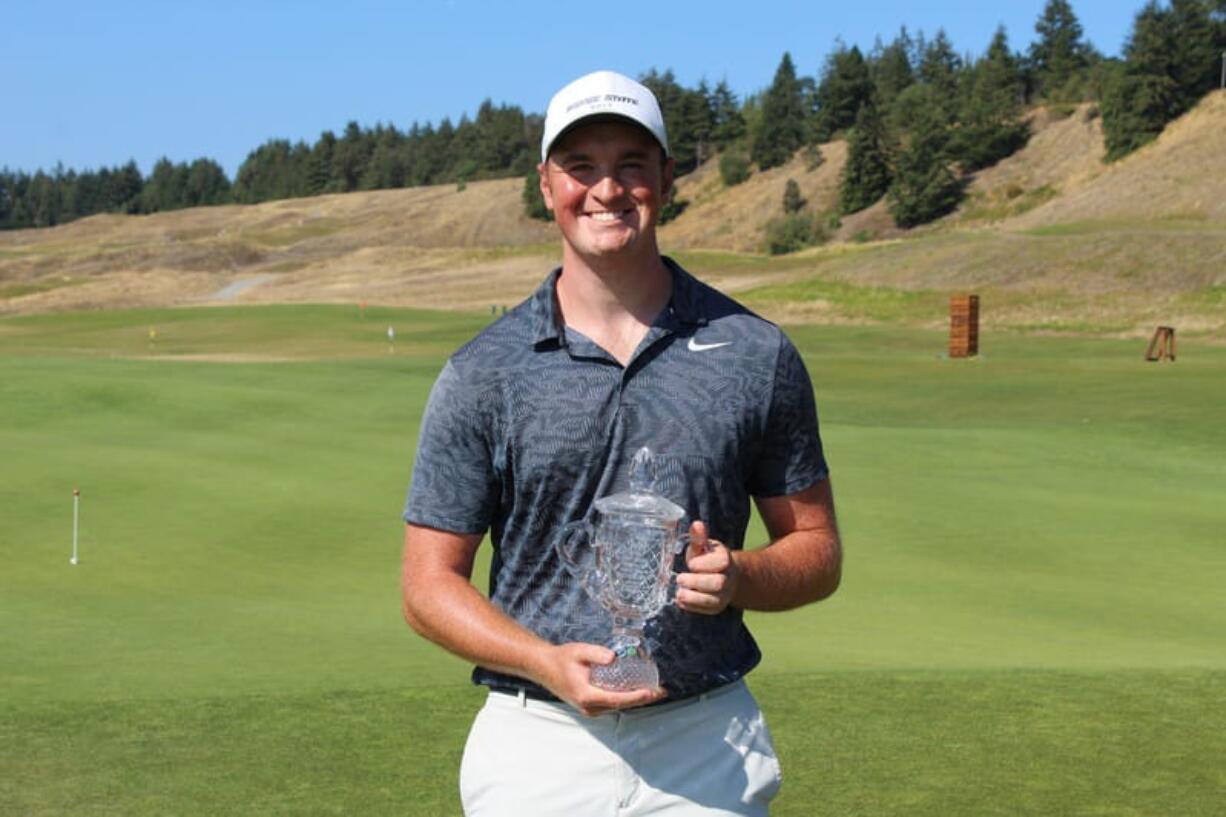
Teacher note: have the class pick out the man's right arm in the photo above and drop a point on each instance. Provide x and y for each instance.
(441, 603)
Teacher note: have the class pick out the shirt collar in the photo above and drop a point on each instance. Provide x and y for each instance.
(685, 305)
(546, 325)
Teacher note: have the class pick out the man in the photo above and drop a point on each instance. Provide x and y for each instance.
(538, 417)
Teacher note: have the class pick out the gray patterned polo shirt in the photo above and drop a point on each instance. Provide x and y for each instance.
(530, 422)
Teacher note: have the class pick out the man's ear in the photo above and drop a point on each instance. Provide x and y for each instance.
(542, 171)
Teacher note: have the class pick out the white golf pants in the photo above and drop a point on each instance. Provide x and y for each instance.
(708, 755)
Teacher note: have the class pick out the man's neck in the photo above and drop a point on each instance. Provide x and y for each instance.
(613, 301)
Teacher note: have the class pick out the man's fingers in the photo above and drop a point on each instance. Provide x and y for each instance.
(703, 582)
(696, 601)
(574, 681)
(601, 700)
(714, 559)
(594, 654)
(699, 542)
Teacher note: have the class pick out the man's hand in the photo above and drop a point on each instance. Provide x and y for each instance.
(566, 671)
(712, 579)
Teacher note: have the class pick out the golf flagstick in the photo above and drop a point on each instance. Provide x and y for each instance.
(76, 515)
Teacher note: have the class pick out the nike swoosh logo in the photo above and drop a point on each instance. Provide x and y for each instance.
(695, 346)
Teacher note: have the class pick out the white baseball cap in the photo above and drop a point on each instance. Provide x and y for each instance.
(603, 93)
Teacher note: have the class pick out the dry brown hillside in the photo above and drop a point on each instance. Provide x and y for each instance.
(1064, 151)
(734, 218)
(1182, 175)
(359, 246)
(1052, 235)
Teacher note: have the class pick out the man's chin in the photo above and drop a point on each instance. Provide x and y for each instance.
(610, 246)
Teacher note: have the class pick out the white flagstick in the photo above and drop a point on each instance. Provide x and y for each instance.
(76, 507)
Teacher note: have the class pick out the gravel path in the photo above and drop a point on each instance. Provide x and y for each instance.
(235, 288)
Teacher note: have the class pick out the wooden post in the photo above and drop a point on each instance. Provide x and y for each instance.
(1161, 345)
(964, 326)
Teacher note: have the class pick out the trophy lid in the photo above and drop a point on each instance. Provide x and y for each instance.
(641, 499)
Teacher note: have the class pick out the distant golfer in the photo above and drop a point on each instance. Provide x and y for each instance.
(539, 416)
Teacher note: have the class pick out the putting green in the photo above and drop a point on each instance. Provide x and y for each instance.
(1042, 524)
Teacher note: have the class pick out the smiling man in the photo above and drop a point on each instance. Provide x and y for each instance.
(539, 416)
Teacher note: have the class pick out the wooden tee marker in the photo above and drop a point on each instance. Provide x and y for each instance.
(1161, 345)
(964, 326)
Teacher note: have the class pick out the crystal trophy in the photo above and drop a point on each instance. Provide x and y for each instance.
(624, 558)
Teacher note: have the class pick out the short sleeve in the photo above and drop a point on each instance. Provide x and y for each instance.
(790, 458)
(454, 485)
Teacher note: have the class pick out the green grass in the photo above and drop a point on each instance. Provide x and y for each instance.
(882, 304)
(1015, 202)
(276, 332)
(1213, 297)
(1031, 620)
(1194, 222)
(33, 287)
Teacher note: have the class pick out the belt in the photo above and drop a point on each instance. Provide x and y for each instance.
(530, 694)
(542, 695)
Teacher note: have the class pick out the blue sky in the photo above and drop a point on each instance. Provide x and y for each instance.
(94, 83)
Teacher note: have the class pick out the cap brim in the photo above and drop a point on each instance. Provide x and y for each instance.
(598, 118)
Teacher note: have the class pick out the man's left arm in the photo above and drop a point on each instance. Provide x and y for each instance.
(802, 563)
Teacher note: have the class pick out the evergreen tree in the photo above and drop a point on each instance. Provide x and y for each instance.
(122, 195)
(1142, 96)
(1135, 108)
(460, 163)
(166, 187)
(349, 158)
(866, 176)
(46, 199)
(43, 201)
(941, 69)
(782, 128)
(1003, 68)
(1059, 55)
(498, 137)
(733, 167)
(793, 201)
(206, 184)
(319, 171)
(13, 187)
(990, 119)
(891, 70)
(386, 168)
(845, 86)
(1218, 13)
(910, 105)
(698, 124)
(729, 125)
(1196, 62)
(671, 96)
(275, 170)
(689, 117)
(7, 199)
(924, 188)
(1171, 60)
(534, 202)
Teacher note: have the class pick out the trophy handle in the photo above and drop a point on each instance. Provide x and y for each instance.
(670, 589)
(573, 546)
(571, 542)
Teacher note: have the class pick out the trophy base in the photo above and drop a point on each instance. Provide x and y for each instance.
(632, 669)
